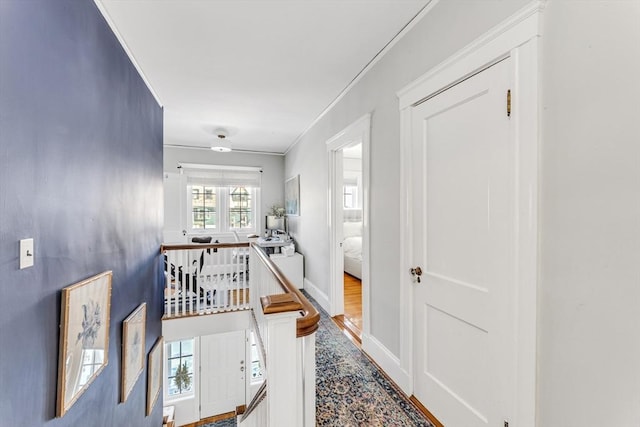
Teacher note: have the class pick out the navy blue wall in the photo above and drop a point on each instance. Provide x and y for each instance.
(81, 173)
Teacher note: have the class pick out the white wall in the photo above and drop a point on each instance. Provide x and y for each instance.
(272, 191)
(589, 336)
(589, 307)
(448, 27)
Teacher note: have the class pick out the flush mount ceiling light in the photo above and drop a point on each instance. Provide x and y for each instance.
(222, 145)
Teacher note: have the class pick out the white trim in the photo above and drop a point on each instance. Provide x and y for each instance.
(414, 21)
(132, 58)
(315, 292)
(477, 55)
(360, 130)
(516, 37)
(406, 250)
(195, 326)
(389, 363)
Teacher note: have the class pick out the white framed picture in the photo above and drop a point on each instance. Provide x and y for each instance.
(292, 196)
(154, 374)
(84, 337)
(133, 349)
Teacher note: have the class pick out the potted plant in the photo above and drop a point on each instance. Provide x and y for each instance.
(275, 218)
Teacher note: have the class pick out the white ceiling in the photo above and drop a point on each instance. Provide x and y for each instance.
(262, 69)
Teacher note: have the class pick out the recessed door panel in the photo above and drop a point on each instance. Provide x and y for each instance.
(463, 212)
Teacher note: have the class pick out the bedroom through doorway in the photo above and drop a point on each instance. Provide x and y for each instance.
(348, 161)
(352, 195)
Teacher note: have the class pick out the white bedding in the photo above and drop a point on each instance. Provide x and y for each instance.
(352, 248)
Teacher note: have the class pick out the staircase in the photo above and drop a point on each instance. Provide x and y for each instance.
(214, 278)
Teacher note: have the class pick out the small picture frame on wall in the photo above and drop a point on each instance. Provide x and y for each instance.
(84, 337)
(292, 196)
(133, 349)
(154, 374)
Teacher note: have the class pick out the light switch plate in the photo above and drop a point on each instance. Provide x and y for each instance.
(26, 253)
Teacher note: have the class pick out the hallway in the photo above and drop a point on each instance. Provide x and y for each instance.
(350, 389)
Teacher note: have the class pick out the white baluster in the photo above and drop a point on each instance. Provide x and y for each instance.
(167, 284)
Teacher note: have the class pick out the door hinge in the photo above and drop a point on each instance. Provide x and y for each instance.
(508, 111)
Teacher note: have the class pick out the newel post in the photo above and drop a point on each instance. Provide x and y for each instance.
(282, 383)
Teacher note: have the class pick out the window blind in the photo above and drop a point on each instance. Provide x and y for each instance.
(222, 176)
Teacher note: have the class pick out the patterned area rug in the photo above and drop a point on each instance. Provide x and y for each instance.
(229, 422)
(351, 391)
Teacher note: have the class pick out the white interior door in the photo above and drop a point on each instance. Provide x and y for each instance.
(174, 222)
(337, 305)
(222, 373)
(463, 241)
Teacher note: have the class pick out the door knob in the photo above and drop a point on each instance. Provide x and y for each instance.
(416, 272)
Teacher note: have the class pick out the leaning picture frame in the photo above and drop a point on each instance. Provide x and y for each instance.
(292, 196)
(133, 349)
(154, 374)
(84, 337)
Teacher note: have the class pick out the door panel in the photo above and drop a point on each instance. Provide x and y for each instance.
(222, 373)
(463, 240)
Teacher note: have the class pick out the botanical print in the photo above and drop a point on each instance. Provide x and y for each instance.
(84, 337)
(90, 324)
(133, 351)
(154, 374)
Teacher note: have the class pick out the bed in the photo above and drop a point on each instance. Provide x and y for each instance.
(352, 248)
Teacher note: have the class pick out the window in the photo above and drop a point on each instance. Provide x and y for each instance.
(203, 207)
(179, 368)
(220, 198)
(240, 215)
(222, 209)
(350, 194)
(256, 368)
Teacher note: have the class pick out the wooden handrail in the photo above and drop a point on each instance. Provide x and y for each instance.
(259, 397)
(180, 246)
(310, 320)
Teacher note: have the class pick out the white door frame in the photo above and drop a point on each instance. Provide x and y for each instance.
(518, 38)
(360, 130)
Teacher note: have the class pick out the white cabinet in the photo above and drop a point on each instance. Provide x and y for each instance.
(292, 267)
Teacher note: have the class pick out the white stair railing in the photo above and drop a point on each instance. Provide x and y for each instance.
(257, 412)
(285, 323)
(205, 278)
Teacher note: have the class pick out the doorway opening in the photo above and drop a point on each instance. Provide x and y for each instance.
(352, 238)
(349, 238)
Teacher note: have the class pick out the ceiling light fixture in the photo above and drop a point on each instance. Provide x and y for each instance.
(222, 145)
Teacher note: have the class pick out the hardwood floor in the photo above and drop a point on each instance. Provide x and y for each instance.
(353, 300)
(351, 321)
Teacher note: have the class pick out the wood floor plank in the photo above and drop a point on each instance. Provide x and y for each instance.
(353, 303)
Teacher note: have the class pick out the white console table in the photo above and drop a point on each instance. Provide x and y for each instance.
(291, 266)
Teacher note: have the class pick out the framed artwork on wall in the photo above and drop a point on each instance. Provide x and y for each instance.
(84, 337)
(133, 349)
(292, 196)
(154, 374)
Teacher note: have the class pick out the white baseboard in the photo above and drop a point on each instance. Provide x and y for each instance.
(389, 363)
(317, 294)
